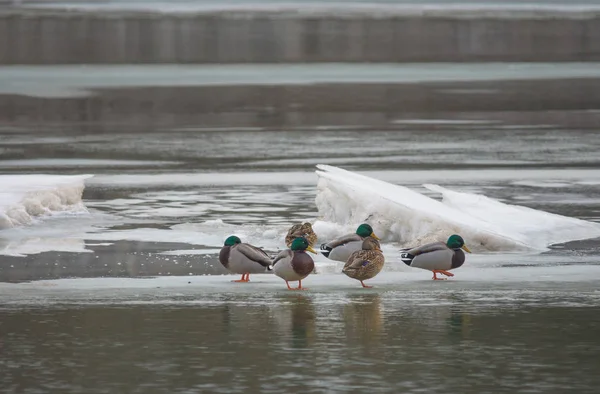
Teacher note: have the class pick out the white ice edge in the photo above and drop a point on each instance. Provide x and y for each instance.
(83, 80)
(464, 279)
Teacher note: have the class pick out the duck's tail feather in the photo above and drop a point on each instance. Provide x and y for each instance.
(325, 250)
(406, 258)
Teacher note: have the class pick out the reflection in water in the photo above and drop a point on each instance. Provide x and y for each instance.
(293, 316)
(363, 318)
(291, 342)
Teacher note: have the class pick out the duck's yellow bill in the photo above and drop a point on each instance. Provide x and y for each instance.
(375, 236)
(310, 249)
(464, 247)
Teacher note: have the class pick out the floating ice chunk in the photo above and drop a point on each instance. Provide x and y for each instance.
(538, 229)
(25, 197)
(408, 217)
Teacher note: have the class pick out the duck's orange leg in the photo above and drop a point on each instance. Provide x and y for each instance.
(300, 286)
(435, 272)
(443, 272)
(365, 286)
(288, 285)
(245, 279)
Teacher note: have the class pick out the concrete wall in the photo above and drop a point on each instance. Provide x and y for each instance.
(52, 37)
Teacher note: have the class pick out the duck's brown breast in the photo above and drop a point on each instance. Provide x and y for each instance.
(458, 259)
(302, 263)
(224, 255)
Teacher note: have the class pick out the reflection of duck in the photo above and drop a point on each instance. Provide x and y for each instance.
(460, 323)
(301, 230)
(437, 257)
(341, 248)
(243, 259)
(294, 316)
(366, 263)
(294, 264)
(363, 317)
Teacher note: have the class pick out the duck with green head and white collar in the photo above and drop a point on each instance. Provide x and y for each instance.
(244, 259)
(437, 257)
(341, 248)
(294, 264)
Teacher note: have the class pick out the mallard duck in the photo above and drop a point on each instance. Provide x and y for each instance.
(437, 257)
(366, 263)
(301, 230)
(244, 259)
(294, 264)
(341, 248)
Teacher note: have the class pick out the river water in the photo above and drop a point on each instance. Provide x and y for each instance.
(126, 295)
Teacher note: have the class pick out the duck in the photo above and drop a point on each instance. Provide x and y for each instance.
(437, 257)
(341, 248)
(294, 264)
(301, 230)
(244, 259)
(366, 263)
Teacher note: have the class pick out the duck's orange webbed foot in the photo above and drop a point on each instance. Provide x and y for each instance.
(365, 286)
(435, 276)
(435, 272)
(245, 279)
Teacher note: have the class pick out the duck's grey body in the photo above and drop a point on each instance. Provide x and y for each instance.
(244, 259)
(344, 246)
(434, 256)
(292, 265)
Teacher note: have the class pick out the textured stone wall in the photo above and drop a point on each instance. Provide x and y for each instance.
(52, 37)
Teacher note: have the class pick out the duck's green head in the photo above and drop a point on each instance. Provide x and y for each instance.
(232, 240)
(364, 230)
(301, 244)
(456, 242)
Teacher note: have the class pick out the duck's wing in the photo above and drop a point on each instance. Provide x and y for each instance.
(427, 248)
(282, 255)
(344, 239)
(408, 255)
(255, 254)
(357, 260)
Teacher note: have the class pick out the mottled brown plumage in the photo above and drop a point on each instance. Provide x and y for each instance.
(366, 263)
(301, 230)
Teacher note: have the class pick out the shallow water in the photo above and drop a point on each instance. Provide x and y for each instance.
(427, 339)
